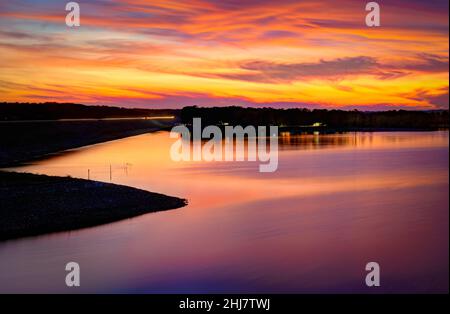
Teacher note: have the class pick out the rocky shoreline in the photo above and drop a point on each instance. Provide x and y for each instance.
(33, 204)
(37, 204)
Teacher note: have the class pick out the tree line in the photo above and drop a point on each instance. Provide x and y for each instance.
(297, 117)
(55, 111)
(234, 115)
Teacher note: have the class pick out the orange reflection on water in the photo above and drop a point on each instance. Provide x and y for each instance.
(335, 203)
(144, 161)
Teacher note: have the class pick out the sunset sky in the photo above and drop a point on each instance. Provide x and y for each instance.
(280, 53)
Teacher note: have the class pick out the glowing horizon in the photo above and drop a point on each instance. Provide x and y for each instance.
(170, 54)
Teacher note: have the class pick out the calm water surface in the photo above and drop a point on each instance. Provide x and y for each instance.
(336, 203)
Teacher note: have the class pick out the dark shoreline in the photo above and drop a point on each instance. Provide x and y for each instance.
(37, 204)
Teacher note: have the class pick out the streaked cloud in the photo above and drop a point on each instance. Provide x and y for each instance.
(253, 52)
(278, 72)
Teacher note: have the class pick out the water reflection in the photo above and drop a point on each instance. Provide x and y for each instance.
(335, 203)
(360, 140)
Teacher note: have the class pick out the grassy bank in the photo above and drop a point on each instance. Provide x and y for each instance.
(36, 204)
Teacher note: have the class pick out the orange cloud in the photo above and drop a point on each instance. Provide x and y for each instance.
(253, 52)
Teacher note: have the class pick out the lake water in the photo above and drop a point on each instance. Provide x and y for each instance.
(336, 203)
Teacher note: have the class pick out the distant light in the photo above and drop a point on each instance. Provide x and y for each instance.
(160, 118)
